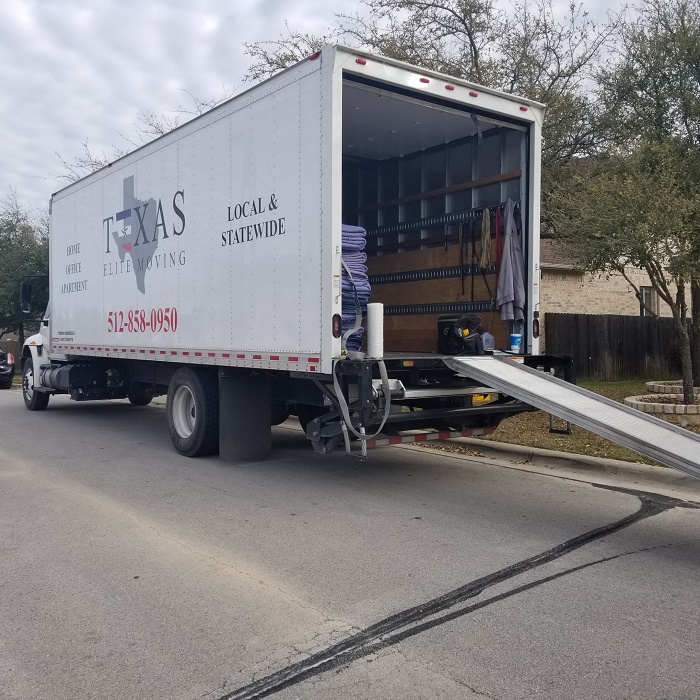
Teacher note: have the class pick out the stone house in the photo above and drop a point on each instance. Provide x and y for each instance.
(565, 289)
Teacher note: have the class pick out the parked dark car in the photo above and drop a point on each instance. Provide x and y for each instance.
(7, 369)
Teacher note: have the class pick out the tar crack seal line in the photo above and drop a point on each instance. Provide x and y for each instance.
(376, 636)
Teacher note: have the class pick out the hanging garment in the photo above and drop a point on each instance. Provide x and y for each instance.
(485, 255)
(510, 293)
(498, 241)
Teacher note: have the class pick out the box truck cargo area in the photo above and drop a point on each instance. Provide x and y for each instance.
(207, 265)
(420, 174)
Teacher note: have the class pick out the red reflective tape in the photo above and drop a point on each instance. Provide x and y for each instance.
(92, 348)
(153, 352)
(293, 358)
(225, 354)
(162, 352)
(315, 360)
(312, 369)
(133, 349)
(274, 357)
(445, 436)
(185, 353)
(211, 354)
(395, 440)
(240, 356)
(198, 354)
(421, 438)
(257, 357)
(143, 352)
(173, 352)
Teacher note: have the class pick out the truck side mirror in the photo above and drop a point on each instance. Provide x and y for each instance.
(25, 297)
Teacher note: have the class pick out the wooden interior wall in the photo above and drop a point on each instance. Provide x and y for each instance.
(418, 332)
(413, 206)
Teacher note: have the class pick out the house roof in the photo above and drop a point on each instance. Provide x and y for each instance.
(554, 257)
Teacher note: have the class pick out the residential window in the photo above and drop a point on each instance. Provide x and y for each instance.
(647, 301)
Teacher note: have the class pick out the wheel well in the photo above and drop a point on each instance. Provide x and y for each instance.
(26, 354)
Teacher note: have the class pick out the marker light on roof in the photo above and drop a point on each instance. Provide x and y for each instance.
(314, 56)
(449, 87)
(361, 61)
(425, 80)
(474, 94)
(523, 109)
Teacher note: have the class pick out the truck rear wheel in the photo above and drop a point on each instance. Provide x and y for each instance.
(193, 412)
(34, 400)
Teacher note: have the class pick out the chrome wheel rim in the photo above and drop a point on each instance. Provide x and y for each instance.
(184, 411)
(28, 384)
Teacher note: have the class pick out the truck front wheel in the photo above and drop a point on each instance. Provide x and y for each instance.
(193, 412)
(34, 400)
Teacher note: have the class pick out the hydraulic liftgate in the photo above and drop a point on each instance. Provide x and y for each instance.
(652, 437)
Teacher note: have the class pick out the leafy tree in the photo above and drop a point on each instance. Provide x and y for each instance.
(618, 219)
(25, 253)
(650, 105)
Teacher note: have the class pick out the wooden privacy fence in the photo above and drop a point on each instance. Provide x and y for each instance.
(11, 346)
(610, 348)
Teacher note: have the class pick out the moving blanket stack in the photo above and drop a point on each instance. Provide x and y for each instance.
(355, 283)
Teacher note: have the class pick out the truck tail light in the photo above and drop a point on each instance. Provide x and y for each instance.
(10, 358)
(336, 326)
(536, 328)
(314, 56)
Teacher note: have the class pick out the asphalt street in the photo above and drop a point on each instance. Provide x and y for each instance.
(127, 571)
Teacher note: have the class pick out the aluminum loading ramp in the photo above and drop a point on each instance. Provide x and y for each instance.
(652, 437)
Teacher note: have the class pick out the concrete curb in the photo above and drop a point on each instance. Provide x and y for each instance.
(611, 472)
(508, 450)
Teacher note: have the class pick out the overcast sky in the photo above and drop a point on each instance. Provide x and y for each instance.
(77, 69)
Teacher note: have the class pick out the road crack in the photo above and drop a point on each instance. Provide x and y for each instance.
(412, 621)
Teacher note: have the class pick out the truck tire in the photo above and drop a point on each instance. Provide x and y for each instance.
(33, 400)
(139, 397)
(193, 412)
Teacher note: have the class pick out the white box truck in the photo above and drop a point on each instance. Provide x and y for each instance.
(206, 265)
